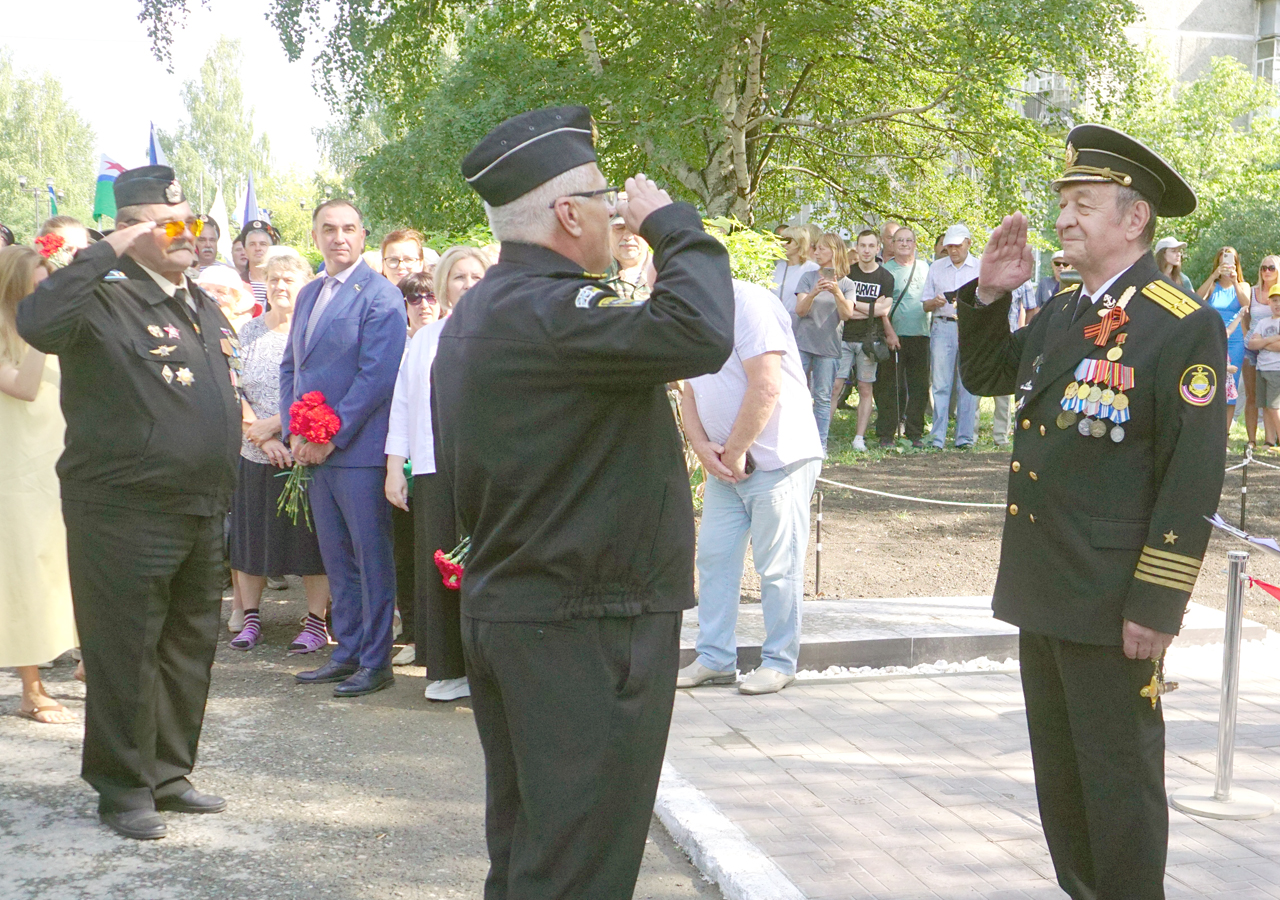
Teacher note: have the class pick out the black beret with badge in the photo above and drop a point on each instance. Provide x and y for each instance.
(529, 150)
(1096, 153)
(148, 185)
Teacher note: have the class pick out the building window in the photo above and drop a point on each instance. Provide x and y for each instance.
(1265, 68)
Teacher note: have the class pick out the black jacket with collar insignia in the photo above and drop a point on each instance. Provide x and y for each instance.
(153, 419)
(1098, 531)
(551, 419)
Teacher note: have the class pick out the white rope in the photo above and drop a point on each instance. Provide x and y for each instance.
(850, 487)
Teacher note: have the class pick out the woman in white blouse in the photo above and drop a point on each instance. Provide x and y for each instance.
(409, 437)
(787, 273)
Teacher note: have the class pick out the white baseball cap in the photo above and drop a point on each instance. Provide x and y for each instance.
(1167, 243)
(221, 275)
(956, 234)
(1058, 254)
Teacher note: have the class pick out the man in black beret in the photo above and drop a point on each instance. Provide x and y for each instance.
(1118, 457)
(553, 427)
(153, 432)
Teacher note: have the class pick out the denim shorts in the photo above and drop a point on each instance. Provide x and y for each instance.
(867, 365)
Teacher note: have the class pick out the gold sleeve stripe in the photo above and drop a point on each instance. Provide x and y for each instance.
(1172, 299)
(1163, 582)
(1173, 574)
(1175, 568)
(1165, 556)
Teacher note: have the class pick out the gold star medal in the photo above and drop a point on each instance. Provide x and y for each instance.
(185, 377)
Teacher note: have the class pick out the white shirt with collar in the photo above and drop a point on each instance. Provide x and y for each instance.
(946, 276)
(169, 287)
(409, 429)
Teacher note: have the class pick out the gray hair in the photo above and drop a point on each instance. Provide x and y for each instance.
(286, 259)
(529, 218)
(1126, 197)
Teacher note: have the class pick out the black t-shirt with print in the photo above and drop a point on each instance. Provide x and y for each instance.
(870, 286)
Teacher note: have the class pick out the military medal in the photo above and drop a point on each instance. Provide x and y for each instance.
(163, 350)
(154, 331)
(1117, 433)
(1095, 393)
(172, 332)
(1066, 419)
(1114, 353)
(1097, 427)
(167, 374)
(1085, 426)
(185, 377)
(1107, 397)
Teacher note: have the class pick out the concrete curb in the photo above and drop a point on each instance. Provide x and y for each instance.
(719, 849)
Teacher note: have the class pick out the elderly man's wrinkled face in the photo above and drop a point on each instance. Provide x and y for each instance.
(1088, 223)
(207, 246)
(160, 252)
(958, 253)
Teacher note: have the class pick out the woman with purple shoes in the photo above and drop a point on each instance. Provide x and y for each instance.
(263, 542)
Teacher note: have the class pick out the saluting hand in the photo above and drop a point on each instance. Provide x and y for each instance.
(643, 198)
(1007, 261)
(123, 238)
(1141, 642)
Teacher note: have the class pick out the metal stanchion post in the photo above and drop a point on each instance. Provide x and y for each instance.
(1223, 802)
(817, 553)
(1244, 486)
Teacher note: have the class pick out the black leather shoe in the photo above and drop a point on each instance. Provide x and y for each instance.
(365, 681)
(191, 801)
(330, 673)
(139, 824)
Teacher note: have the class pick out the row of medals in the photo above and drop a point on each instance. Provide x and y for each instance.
(1098, 400)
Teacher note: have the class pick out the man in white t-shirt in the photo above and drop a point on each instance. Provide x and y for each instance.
(752, 426)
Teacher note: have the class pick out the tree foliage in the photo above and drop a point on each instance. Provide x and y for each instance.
(1221, 134)
(217, 144)
(41, 137)
(747, 107)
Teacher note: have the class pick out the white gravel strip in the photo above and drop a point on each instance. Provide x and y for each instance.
(717, 847)
(844, 674)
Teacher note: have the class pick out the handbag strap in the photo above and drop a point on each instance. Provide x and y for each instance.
(902, 293)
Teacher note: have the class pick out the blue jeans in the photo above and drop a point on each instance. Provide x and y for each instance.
(944, 351)
(771, 510)
(821, 372)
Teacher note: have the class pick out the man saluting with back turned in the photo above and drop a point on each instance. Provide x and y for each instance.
(1118, 457)
(553, 425)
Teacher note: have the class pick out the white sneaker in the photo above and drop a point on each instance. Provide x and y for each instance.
(396, 628)
(236, 623)
(696, 673)
(406, 656)
(860, 444)
(449, 689)
(764, 681)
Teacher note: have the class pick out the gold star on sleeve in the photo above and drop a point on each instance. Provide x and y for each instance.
(1170, 537)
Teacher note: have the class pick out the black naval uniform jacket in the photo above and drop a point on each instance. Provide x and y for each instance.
(1096, 530)
(551, 420)
(153, 418)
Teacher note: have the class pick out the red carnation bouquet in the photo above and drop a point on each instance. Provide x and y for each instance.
(311, 418)
(54, 249)
(451, 565)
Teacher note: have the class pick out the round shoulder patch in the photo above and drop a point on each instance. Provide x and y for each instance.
(1198, 385)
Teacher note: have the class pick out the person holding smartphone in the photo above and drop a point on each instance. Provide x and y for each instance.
(824, 300)
(1227, 292)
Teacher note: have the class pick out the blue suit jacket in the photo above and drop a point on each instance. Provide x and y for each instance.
(353, 359)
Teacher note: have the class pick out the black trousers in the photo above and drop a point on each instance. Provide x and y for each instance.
(438, 628)
(402, 551)
(146, 592)
(1098, 752)
(573, 717)
(902, 384)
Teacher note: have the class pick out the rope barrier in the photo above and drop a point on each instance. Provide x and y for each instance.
(862, 490)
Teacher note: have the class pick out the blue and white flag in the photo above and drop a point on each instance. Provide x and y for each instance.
(154, 154)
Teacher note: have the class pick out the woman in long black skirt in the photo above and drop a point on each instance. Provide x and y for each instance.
(263, 542)
(409, 437)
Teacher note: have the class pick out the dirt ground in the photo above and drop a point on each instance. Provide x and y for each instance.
(877, 547)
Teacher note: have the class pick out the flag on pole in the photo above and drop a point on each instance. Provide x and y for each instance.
(53, 202)
(104, 198)
(248, 209)
(154, 153)
(218, 212)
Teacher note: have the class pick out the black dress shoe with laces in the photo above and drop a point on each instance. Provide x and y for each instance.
(330, 673)
(138, 824)
(191, 801)
(365, 681)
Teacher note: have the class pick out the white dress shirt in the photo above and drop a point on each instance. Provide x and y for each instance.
(409, 430)
(946, 276)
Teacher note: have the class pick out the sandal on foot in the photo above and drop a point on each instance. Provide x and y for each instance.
(308, 641)
(41, 713)
(247, 637)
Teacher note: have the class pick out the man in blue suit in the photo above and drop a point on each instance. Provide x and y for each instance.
(347, 340)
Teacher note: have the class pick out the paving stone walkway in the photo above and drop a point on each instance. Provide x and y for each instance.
(921, 787)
